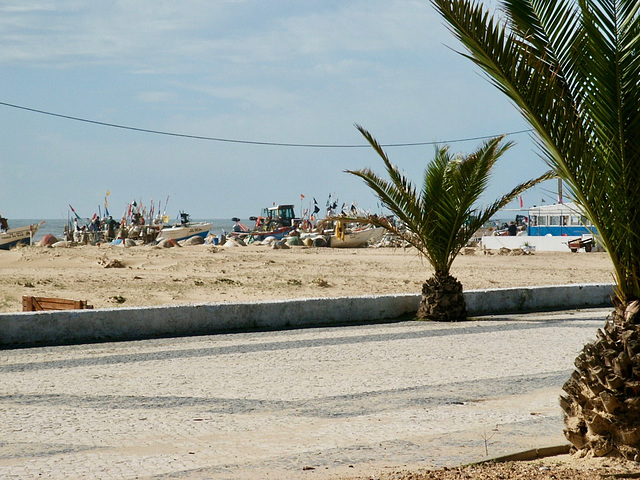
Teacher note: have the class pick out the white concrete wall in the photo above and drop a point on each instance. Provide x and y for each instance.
(532, 299)
(85, 326)
(542, 244)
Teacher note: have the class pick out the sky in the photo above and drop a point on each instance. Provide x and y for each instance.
(249, 76)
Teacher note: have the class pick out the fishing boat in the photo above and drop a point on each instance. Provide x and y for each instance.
(343, 234)
(355, 237)
(185, 229)
(20, 235)
(259, 235)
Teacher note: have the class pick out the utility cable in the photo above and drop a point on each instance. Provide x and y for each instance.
(248, 142)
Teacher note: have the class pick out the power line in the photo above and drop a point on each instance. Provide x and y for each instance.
(247, 142)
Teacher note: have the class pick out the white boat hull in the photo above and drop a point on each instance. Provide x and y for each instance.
(358, 238)
(182, 232)
(14, 236)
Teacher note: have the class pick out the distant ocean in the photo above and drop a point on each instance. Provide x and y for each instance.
(56, 226)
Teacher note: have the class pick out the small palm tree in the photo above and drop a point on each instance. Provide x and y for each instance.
(440, 219)
(572, 68)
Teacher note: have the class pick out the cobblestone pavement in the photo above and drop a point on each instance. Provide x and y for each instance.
(309, 403)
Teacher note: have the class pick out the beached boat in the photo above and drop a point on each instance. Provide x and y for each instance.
(182, 232)
(259, 235)
(356, 237)
(185, 229)
(19, 235)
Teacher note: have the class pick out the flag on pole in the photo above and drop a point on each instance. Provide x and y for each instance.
(74, 212)
(301, 197)
(521, 203)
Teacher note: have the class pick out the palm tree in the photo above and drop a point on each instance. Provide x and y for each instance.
(572, 68)
(440, 219)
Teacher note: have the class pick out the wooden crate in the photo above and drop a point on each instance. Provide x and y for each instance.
(34, 304)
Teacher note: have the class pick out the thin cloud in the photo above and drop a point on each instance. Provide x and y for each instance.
(165, 33)
(156, 97)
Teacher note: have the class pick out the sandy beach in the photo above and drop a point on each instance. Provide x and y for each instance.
(111, 276)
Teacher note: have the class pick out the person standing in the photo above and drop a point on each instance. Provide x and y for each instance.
(111, 229)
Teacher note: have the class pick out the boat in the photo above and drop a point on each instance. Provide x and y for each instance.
(355, 237)
(277, 233)
(344, 232)
(240, 230)
(185, 229)
(10, 237)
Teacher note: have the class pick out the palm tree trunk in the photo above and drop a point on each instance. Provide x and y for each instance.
(602, 401)
(442, 300)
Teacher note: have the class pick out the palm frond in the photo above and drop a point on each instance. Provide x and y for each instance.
(403, 203)
(439, 219)
(572, 70)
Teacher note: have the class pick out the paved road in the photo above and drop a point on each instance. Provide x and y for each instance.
(310, 403)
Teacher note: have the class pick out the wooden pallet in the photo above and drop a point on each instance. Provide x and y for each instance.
(34, 304)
